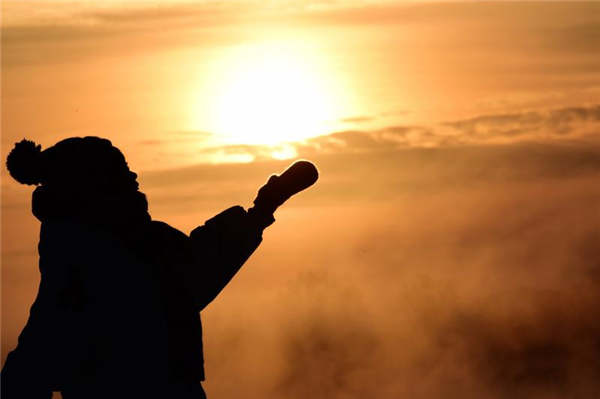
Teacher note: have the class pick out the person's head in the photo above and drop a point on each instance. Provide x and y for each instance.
(82, 163)
(82, 173)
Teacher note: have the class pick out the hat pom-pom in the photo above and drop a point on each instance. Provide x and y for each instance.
(24, 162)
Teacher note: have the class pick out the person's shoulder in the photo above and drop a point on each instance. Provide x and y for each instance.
(64, 229)
(165, 230)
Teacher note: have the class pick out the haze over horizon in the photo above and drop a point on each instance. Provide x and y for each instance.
(452, 242)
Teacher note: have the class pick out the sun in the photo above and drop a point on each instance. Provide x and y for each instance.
(270, 93)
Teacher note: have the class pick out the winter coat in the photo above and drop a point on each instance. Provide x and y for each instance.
(117, 315)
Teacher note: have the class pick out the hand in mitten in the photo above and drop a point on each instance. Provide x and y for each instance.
(278, 189)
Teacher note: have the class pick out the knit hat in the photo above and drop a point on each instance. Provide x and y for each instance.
(76, 176)
(82, 162)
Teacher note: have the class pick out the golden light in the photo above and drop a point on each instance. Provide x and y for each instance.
(284, 151)
(271, 93)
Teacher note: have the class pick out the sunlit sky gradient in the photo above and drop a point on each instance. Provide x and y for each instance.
(458, 209)
(249, 73)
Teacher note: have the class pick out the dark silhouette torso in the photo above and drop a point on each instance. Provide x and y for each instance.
(118, 314)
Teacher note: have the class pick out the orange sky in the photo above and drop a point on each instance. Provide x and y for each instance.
(242, 73)
(454, 230)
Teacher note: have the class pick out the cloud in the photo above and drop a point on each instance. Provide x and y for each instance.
(56, 22)
(577, 37)
(536, 355)
(87, 31)
(151, 26)
(561, 126)
(562, 121)
(358, 119)
(328, 355)
(191, 137)
(206, 14)
(568, 122)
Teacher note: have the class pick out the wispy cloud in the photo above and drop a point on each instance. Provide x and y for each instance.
(568, 28)
(545, 126)
(562, 121)
(358, 119)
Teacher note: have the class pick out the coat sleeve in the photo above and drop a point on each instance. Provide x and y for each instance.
(217, 249)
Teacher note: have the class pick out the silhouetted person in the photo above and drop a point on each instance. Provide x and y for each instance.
(117, 311)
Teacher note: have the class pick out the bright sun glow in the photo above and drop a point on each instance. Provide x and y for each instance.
(271, 93)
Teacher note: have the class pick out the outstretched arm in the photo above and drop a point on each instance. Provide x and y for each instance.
(219, 249)
(222, 245)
